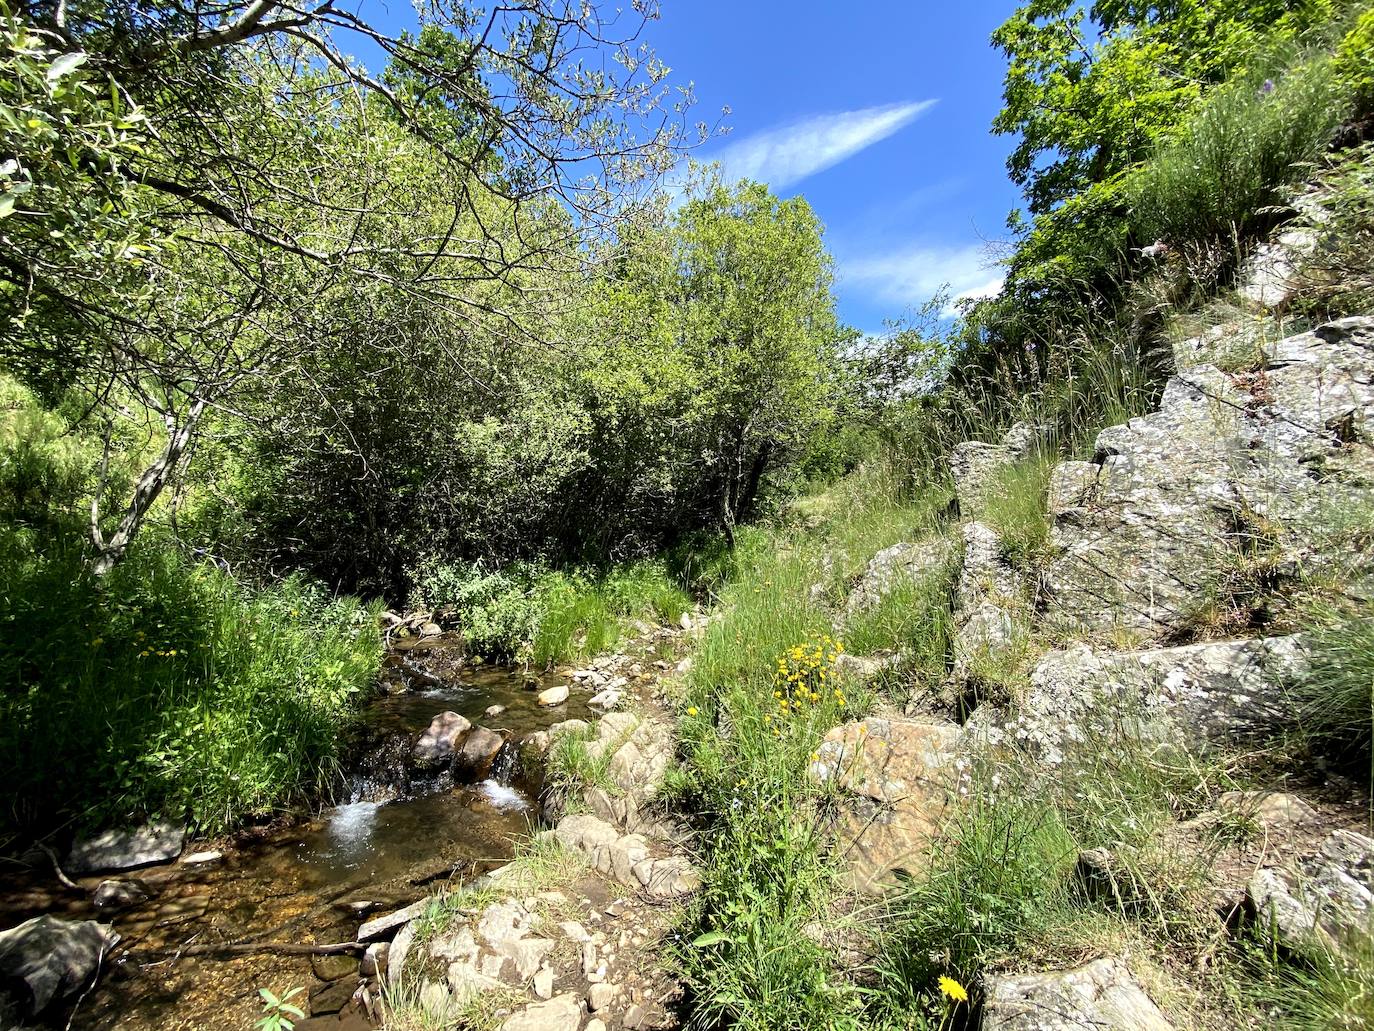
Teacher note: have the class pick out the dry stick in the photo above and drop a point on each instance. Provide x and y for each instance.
(248, 948)
(66, 881)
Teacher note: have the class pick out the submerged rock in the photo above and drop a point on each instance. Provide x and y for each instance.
(127, 848)
(120, 893)
(46, 962)
(1101, 995)
(438, 744)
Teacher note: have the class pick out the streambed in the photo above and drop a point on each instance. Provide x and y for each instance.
(394, 837)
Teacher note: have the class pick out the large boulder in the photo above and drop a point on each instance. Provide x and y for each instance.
(438, 744)
(1099, 996)
(977, 466)
(1220, 691)
(1180, 494)
(126, 848)
(46, 962)
(895, 779)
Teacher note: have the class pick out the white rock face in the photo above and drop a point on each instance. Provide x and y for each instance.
(562, 1013)
(1100, 996)
(1328, 898)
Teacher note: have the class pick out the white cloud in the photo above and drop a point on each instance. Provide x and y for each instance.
(786, 155)
(914, 275)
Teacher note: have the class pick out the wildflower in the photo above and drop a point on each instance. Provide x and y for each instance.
(1267, 88)
(952, 989)
(691, 710)
(97, 642)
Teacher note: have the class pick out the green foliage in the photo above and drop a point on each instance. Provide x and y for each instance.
(1335, 698)
(279, 1013)
(167, 688)
(1319, 990)
(528, 611)
(1337, 278)
(1353, 65)
(1016, 507)
(1220, 178)
(915, 619)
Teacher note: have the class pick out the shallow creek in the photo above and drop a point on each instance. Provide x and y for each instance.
(393, 838)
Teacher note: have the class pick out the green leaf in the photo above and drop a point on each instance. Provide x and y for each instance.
(7, 204)
(65, 65)
(710, 938)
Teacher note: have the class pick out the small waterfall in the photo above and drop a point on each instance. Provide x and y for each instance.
(506, 763)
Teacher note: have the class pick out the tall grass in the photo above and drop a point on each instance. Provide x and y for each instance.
(166, 688)
(1221, 179)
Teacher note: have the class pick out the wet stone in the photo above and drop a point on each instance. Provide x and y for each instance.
(333, 967)
(127, 848)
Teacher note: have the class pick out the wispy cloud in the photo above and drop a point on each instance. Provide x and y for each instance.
(787, 155)
(913, 275)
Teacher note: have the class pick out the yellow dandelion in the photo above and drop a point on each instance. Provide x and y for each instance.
(691, 710)
(952, 989)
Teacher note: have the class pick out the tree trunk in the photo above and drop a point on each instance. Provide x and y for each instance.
(155, 478)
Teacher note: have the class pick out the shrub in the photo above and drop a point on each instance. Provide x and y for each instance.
(1222, 178)
(167, 688)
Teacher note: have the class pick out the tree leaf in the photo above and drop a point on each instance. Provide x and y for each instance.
(65, 65)
(710, 938)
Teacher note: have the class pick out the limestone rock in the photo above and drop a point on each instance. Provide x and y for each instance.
(895, 778)
(128, 848)
(383, 926)
(1095, 997)
(1269, 276)
(473, 757)
(543, 984)
(437, 745)
(46, 962)
(561, 1013)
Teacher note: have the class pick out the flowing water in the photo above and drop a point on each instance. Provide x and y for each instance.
(395, 837)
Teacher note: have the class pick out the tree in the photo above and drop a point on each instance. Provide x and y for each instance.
(193, 187)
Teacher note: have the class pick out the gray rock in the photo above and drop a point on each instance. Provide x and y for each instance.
(600, 996)
(438, 744)
(543, 984)
(374, 959)
(1156, 533)
(1099, 996)
(399, 952)
(1269, 276)
(1221, 691)
(125, 849)
(989, 601)
(1327, 898)
(120, 893)
(891, 566)
(385, 926)
(562, 1013)
(46, 962)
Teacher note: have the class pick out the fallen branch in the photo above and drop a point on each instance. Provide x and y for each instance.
(250, 948)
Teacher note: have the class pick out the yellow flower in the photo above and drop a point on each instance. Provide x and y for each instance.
(691, 710)
(953, 989)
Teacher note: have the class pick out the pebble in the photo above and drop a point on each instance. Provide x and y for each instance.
(543, 984)
(602, 995)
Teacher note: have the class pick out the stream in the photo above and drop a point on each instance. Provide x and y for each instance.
(394, 837)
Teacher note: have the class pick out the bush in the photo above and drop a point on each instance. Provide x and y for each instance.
(166, 688)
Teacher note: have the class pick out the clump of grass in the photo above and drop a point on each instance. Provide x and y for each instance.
(1315, 990)
(1015, 506)
(167, 688)
(915, 619)
(572, 768)
(1337, 277)
(1335, 699)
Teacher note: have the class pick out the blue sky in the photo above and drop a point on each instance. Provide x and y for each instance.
(876, 111)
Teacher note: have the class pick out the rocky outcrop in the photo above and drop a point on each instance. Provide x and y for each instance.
(1327, 898)
(898, 564)
(1182, 494)
(1095, 997)
(46, 963)
(1222, 691)
(126, 849)
(894, 780)
(977, 466)
(629, 858)
(990, 611)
